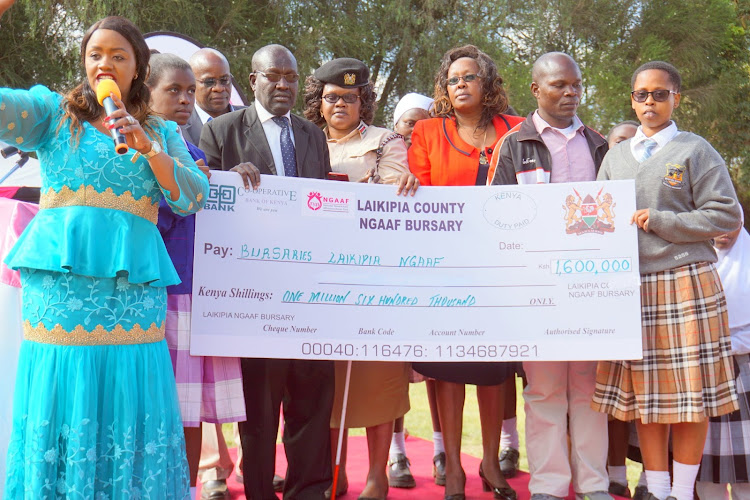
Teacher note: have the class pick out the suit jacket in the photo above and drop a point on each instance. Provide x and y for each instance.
(192, 129)
(238, 137)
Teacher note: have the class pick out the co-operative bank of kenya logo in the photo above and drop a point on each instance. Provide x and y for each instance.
(221, 197)
(329, 203)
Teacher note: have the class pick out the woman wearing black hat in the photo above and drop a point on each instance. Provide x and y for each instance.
(340, 98)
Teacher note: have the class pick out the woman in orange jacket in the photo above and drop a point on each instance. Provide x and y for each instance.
(454, 149)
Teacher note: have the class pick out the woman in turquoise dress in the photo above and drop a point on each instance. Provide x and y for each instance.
(95, 413)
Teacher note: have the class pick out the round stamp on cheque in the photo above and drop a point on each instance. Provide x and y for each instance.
(510, 210)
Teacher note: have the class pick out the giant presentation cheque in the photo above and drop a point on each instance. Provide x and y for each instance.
(304, 268)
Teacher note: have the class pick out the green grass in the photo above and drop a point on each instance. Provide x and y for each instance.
(418, 423)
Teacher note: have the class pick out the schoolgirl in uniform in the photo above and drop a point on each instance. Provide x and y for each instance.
(684, 199)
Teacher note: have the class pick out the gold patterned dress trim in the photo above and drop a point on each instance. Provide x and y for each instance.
(87, 196)
(98, 336)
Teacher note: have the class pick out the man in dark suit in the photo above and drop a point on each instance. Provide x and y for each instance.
(265, 138)
(213, 89)
(248, 141)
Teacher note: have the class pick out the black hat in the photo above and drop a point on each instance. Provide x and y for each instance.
(344, 72)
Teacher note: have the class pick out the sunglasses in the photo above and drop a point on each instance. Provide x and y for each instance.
(276, 77)
(224, 81)
(466, 78)
(334, 98)
(660, 95)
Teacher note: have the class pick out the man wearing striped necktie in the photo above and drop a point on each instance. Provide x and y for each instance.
(266, 138)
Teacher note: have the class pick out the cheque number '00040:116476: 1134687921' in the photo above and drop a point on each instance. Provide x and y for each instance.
(403, 351)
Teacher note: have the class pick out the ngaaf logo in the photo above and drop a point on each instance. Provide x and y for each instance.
(314, 201)
(221, 197)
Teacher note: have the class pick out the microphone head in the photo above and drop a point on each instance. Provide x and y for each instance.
(9, 151)
(105, 87)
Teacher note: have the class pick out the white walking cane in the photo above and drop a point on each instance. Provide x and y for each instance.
(341, 429)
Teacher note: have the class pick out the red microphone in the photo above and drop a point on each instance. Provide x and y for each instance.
(103, 91)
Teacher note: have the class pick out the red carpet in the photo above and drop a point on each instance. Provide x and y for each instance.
(420, 455)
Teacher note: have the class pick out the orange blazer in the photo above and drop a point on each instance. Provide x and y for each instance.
(439, 157)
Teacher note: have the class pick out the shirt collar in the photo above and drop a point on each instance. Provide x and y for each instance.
(264, 115)
(179, 131)
(541, 124)
(662, 137)
(361, 130)
(205, 117)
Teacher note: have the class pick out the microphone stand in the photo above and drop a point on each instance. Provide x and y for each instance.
(23, 157)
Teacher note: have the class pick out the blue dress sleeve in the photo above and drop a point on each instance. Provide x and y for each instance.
(167, 218)
(192, 182)
(27, 116)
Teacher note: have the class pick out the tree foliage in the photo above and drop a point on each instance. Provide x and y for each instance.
(402, 42)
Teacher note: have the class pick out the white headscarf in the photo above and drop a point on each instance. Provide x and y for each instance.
(734, 270)
(411, 101)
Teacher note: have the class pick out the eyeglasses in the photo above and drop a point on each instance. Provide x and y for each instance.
(276, 77)
(334, 98)
(466, 78)
(224, 81)
(660, 95)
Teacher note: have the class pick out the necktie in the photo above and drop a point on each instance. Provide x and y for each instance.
(649, 145)
(287, 148)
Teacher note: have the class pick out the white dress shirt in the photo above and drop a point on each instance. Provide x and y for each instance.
(273, 134)
(662, 137)
(205, 117)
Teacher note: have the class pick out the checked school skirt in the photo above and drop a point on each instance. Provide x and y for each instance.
(687, 371)
(209, 389)
(726, 456)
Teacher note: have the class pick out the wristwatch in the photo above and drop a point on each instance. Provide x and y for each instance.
(155, 150)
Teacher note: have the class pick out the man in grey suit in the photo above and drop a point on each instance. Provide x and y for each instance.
(213, 89)
(265, 138)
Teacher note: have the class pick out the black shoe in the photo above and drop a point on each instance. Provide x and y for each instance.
(457, 496)
(215, 490)
(621, 490)
(504, 493)
(438, 469)
(399, 475)
(640, 493)
(278, 483)
(651, 496)
(509, 462)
